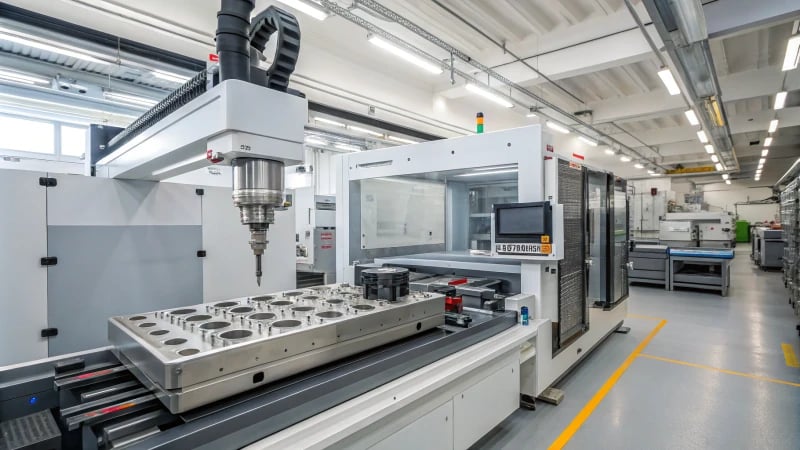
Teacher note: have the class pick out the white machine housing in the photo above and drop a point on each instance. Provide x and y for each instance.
(529, 150)
(234, 119)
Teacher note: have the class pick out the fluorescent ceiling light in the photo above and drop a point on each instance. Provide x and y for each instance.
(492, 172)
(316, 141)
(169, 76)
(702, 136)
(364, 130)
(624, 158)
(507, 166)
(714, 158)
(18, 77)
(530, 115)
(502, 101)
(22, 39)
(762, 160)
(725, 176)
(655, 174)
(329, 122)
(719, 167)
(669, 81)
(780, 100)
(758, 172)
(556, 127)
(650, 172)
(348, 147)
(405, 55)
(692, 117)
(129, 99)
(792, 56)
(638, 166)
(773, 125)
(758, 178)
(764, 152)
(307, 7)
(609, 151)
(709, 148)
(588, 141)
(399, 139)
(768, 141)
(727, 181)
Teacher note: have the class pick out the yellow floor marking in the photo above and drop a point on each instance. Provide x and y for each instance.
(789, 356)
(717, 369)
(589, 408)
(640, 316)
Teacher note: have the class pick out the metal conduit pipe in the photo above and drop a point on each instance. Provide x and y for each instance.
(400, 20)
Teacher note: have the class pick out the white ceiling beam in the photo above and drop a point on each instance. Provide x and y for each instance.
(739, 86)
(733, 16)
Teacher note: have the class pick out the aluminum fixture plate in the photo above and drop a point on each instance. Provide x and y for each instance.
(197, 345)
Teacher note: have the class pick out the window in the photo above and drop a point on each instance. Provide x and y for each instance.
(73, 140)
(27, 135)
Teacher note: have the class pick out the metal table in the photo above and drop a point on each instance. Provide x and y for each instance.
(709, 268)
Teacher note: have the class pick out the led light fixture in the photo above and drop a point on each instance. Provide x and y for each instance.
(714, 158)
(129, 99)
(773, 125)
(764, 152)
(399, 139)
(692, 117)
(624, 158)
(169, 76)
(780, 100)
(702, 136)
(405, 55)
(709, 148)
(364, 130)
(329, 122)
(477, 90)
(792, 56)
(307, 7)
(588, 141)
(669, 81)
(768, 141)
(557, 127)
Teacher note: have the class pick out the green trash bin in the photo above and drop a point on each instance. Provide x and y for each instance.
(742, 231)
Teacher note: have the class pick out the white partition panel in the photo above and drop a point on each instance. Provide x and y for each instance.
(23, 281)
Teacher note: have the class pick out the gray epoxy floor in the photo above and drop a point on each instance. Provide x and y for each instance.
(658, 404)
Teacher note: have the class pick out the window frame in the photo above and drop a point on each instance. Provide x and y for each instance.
(57, 155)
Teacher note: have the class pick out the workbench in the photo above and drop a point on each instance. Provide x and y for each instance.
(700, 268)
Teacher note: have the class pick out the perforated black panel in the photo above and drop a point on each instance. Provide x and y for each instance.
(572, 309)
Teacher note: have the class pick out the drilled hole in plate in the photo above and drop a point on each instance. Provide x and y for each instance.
(159, 332)
(261, 316)
(363, 307)
(188, 352)
(263, 298)
(214, 325)
(225, 304)
(242, 310)
(303, 308)
(198, 318)
(236, 334)
(175, 341)
(182, 311)
(135, 318)
(293, 294)
(335, 301)
(282, 303)
(329, 314)
(147, 325)
(290, 323)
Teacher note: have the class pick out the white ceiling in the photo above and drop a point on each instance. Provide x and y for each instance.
(591, 49)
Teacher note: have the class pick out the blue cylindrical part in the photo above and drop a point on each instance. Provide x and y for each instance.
(524, 315)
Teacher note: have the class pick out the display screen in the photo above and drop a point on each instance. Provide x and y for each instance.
(524, 220)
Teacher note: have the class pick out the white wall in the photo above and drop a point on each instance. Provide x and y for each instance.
(721, 196)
